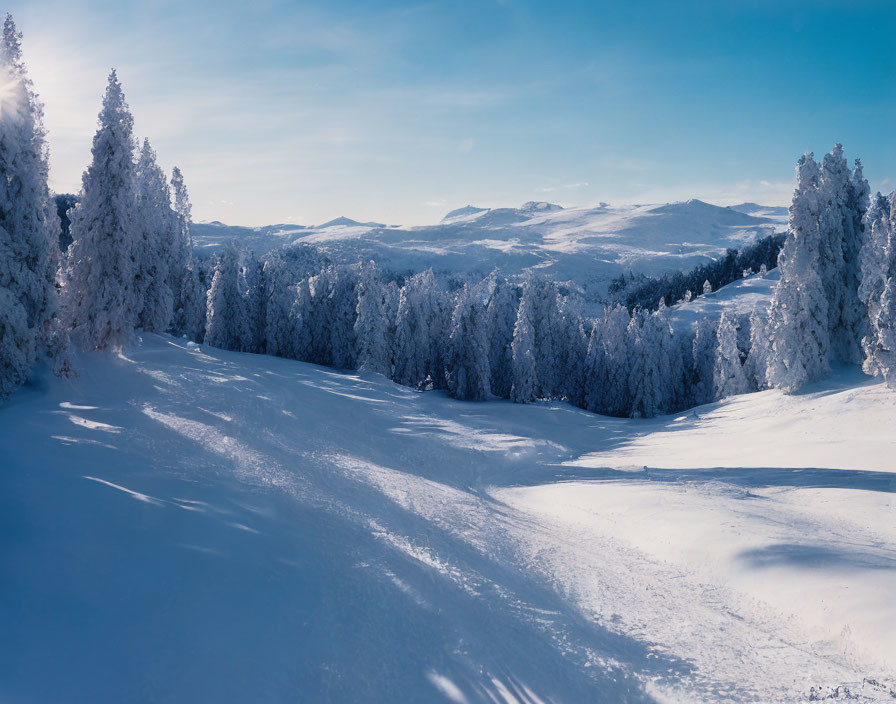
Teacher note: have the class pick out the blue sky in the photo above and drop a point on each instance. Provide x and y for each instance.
(399, 112)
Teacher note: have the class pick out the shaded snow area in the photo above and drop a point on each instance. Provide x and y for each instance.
(186, 524)
(588, 246)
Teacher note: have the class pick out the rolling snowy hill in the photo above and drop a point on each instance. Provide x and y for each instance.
(588, 246)
(186, 524)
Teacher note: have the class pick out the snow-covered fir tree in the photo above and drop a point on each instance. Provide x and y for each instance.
(28, 222)
(341, 324)
(525, 380)
(843, 196)
(279, 299)
(467, 365)
(798, 329)
(618, 360)
(502, 310)
(878, 290)
(729, 378)
(251, 317)
(155, 254)
(223, 327)
(756, 364)
(186, 280)
(412, 339)
(373, 345)
(102, 302)
(704, 349)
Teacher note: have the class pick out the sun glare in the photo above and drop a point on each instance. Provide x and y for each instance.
(11, 95)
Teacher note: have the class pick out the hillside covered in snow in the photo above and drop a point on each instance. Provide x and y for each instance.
(186, 524)
(588, 246)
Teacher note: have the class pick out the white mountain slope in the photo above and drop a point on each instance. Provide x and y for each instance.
(588, 246)
(184, 524)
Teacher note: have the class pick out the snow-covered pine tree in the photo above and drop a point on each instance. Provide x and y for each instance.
(502, 311)
(524, 386)
(574, 349)
(412, 341)
(843, 201)
(593, 396)
(185, 278)
(618, 361)
(343, 306)
(251, 317)
(373, 346)
(729, 378)
(223, 328)
(28, 222)
(798, 328)
(101, 300)
(879, 288)
(756, 365)
(155, 254)
(279, 298)
(549, 337)
(704, 348)
(707, 287)
(467, 370)
(645, 376)
(301, 315)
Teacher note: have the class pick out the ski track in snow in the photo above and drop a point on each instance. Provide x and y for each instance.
(517, 510)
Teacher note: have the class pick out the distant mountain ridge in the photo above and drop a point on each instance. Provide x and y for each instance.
(585, 246)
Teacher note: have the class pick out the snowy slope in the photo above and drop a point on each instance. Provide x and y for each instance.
(588, 246)
(184, 524)
(738, 298)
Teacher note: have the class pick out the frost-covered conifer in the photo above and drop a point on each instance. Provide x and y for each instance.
(704, 347)
(412, 339)
(155, 254)
(843, 198)
(574, 349)
(223, 328)
(756, 365)
(467, 369)
(373, 351)
(729, 378)
(798, 329)
(524, 386)
(618, 361)
(251, 317)
(102, 301)
(279, 299)
(28, 223)
(879, 288)
(707, 287)
(594, 372)
(185, 278)
(502, 311)
(342, 309)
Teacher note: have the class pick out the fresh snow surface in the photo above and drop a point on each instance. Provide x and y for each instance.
(185, 524)
(587, 246)
(741, 297)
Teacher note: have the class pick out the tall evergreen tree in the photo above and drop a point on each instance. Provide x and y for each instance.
(729, 378)
(223, 328)
(373, 352)
(103, 303)
(799, 324)
(28, 222)
(467, 369)
(155, 254)
(186, 279)
(525, 379)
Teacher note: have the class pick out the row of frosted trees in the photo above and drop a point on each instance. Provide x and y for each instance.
(129, 264)
(488, 339)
